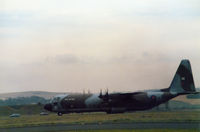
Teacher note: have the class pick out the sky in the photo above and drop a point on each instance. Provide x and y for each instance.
(72, 46)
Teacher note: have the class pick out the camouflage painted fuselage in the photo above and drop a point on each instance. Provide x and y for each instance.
(182, 83)
(114, 103)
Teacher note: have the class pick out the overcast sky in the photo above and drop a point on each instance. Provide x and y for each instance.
(76, 45)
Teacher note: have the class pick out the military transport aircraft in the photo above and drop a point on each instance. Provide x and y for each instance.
(181, 84)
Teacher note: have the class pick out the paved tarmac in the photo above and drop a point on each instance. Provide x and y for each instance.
(141, 125)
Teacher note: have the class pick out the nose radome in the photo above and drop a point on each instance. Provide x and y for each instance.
(48, 107)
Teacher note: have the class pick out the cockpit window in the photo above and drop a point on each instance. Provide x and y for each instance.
(55, 100)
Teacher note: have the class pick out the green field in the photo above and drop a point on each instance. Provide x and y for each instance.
(32, 109)
(149, 130)
(146, 116)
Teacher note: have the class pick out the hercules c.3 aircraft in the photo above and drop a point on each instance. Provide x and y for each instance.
(181, 84)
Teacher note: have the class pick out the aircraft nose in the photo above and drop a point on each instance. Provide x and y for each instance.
(48, 107)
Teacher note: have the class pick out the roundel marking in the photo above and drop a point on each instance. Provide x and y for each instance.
(153, 97)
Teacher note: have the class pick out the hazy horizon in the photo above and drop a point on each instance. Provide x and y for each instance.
(71, 46)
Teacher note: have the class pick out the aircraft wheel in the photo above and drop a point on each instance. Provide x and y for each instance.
(59, 114)
(109, 112)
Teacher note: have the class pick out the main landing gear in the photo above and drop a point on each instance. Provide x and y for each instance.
(60, 114)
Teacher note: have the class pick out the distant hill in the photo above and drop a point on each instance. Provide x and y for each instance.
(178, 105)
(184, 98)
(23, 101)
(43, 94)
(194, 96)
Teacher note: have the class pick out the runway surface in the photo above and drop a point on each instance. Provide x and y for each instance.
(141, 125)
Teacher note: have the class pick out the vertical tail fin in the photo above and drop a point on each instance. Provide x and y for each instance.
(183, 82)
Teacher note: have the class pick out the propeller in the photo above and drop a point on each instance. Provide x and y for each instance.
(105, 97)
(100, 95)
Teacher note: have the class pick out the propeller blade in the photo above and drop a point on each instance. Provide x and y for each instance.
(100, 95)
